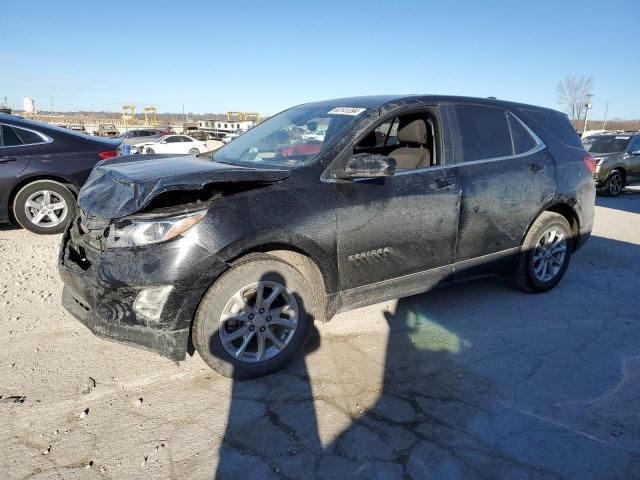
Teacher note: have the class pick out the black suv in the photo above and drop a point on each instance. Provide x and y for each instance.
(398, 195)
(42, 167)
(617, 157)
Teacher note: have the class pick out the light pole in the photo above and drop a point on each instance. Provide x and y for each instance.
(587, 106)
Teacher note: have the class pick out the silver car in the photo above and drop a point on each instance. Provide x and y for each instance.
(138, 136)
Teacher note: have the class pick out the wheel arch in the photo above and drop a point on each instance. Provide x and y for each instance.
(620, 168)
(565, 209)
(291, 247)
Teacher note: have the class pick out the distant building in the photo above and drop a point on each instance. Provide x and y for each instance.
(30, 106)
(219, 128)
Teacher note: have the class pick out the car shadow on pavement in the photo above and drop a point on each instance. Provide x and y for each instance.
(284, 425)
(8, 226)
(477, 380)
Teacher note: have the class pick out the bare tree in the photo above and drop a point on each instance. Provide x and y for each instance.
(572, 94)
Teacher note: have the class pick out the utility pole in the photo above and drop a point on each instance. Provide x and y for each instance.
(587, 106)
(52, 105)
(604, 122)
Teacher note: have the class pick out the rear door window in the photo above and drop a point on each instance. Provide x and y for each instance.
(8, 137)
(483, 133)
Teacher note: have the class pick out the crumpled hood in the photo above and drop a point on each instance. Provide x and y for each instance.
(125, 185)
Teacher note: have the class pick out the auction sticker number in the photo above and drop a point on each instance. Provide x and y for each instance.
(347, 111)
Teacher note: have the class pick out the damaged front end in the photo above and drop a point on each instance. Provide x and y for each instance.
(129, 272)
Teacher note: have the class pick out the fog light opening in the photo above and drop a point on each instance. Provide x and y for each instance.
(150, 302)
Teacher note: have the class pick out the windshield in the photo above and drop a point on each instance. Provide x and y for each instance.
(608, 144)
(283, 140)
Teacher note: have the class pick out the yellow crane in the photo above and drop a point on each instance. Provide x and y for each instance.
(242, 116)
(151, 116)
(128, 114)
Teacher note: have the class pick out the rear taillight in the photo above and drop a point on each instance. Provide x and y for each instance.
(590, 162)
(108, 154)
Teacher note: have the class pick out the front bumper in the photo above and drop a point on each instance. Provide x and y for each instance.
(602, 174)
(100, 291)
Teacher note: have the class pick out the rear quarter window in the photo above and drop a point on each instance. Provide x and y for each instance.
(558, 125)
(28, 137)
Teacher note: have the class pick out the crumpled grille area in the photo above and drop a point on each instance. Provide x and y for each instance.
(83, 244)
(78, 255)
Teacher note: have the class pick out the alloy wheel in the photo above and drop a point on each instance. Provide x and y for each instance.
(615, 184)
(259, 321)
(549, 254)
(46, 208)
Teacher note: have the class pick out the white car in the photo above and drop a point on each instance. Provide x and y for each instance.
(179, 144)
(317, 135)
(230, 136)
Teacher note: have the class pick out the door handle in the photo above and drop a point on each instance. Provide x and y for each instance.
(7, 159)
(443, 182)
(536, 167)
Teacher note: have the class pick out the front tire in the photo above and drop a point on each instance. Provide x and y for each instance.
(194, 151)
(614, 184)
(44, 207)
(150, 151)
(255, 318)
(545, 254)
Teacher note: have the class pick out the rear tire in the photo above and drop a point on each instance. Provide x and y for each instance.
(614, 184)
(237, 307)
(545, 254)
(44, 207)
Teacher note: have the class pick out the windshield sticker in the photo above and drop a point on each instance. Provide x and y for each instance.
(622, 138)
(353, 111)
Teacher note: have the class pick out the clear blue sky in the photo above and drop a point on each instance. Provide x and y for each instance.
(267, 55)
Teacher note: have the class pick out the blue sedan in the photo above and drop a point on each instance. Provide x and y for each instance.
(42, 167)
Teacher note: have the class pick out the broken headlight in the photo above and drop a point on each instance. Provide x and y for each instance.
(136, 233)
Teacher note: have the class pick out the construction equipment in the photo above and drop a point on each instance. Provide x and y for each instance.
(242, 116)
(128, 115)
(151, 116)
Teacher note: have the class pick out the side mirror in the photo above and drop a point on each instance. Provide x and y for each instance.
(368, 165)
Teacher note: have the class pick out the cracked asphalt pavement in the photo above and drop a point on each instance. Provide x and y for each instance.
(475, 381)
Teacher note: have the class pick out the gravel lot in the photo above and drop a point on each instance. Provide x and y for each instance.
(475, 381)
